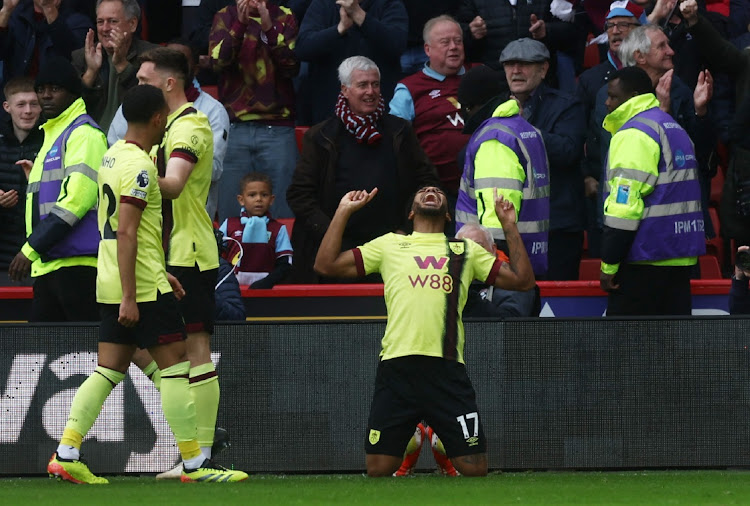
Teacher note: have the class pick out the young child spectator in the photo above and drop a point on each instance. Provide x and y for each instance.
(263, 242)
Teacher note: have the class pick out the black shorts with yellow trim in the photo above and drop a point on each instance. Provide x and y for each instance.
(160, 322)
(415, 388)
(198, 304)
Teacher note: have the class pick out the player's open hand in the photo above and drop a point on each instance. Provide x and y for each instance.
(504, 209)
(356, 200)
(129, 314)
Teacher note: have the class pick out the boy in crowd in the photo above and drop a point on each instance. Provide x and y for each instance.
(260, 250)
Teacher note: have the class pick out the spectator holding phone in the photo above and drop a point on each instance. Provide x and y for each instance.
(739, 294)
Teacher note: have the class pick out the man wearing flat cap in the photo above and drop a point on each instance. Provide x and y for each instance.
(61, 228)
(561, 119)
(505, 153)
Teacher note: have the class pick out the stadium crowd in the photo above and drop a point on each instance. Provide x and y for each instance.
(576, 127)
(273, 67)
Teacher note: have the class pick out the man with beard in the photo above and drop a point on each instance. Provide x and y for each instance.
(61, 197)
(421, 375)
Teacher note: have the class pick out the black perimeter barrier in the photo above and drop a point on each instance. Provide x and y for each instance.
(552, 394)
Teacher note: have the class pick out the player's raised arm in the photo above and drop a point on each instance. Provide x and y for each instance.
(518, 275)
(331, 261)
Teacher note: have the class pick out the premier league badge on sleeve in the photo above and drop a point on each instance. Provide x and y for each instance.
(142, 179)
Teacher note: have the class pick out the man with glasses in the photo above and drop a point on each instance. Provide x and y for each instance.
(622, 17)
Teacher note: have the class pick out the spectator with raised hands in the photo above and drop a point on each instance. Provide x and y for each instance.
(489, 26)
(647, 47)
(252, 51)
(108, 65)
(333, 31)
(32, 31)
(723, 56)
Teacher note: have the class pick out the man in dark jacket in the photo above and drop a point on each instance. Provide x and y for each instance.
(722, 56)
(361, 147)
(331, 33)
(31, 31)
(108, 68)
(561, 119)
(620, 20)
(19, 140)
(490, 25)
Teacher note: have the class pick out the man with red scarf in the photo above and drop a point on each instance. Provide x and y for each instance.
(360, 147)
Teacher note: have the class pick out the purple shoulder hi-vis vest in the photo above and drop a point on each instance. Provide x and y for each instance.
(672, 223)
(83, 239)
(533, 219)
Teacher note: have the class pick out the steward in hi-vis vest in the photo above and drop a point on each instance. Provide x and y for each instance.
(61, 202)
(653, 224)
(506, 152)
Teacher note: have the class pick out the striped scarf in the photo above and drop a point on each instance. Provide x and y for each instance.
(363, 128)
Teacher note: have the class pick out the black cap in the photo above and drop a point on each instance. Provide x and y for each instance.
(58, 71)
(480, 84)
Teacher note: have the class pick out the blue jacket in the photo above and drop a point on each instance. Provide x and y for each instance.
(229, 304)
(19, 40)
(382, 38)
(562, 120)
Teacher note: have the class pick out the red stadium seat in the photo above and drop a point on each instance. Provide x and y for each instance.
(299, 132)
(589, 269)
(289, 222)
(717, 186)
(715, 246)
(591, 54)
(709, 267)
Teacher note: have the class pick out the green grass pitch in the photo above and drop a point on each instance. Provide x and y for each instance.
(548, 488)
